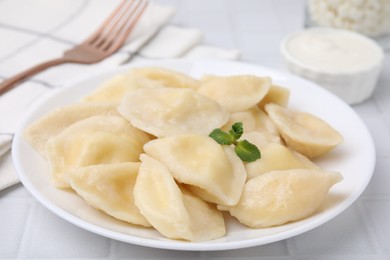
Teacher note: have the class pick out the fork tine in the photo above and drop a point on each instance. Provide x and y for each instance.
(115, 38)
(113, 24)
(93, 37)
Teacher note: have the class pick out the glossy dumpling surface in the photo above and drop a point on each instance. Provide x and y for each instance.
(174, 212)
(304, 132)
(255, 120)
(276, 94)
(235, 93)
(50, 125)
(212, 172)
(109, 187)
(95, 140)
(277, 157)
(167, 77)
(278, 197)
(116, 87)
(169, 111)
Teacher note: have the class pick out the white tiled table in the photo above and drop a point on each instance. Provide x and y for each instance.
(255, 27)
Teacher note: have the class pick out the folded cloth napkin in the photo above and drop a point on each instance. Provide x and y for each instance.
(151, 40)
(8, 176)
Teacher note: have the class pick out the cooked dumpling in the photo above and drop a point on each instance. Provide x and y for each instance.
(58, 119)
(274, 156)
(116, 87)
(95, 140)
(277, 157)
(109, 187)
(255, 120)
(168, 111)
(303, 132)
(169, 78)
(175, 213)
(235, 93)
(276, 94)
(212, 171)
(278, 197)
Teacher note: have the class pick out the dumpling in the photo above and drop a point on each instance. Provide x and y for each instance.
(95, 140)
(169, 78)
(58, 119)
(213, 172)
(276, 94)
(174, 212)
(168, 111)
(235, 93)
(109, 187)
(277, 157)
(278, 197)
(116, 87)
(255, 120)
(303, 132)
(274, 156)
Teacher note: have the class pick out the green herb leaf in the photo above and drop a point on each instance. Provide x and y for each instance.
(221, 137)
(247, 151)
(237, 130)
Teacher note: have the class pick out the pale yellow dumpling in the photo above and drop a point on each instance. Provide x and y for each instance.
(174, 212)
(116, 87)
(255, 120)
(278, 197)
(95, 140)
(236, 93)
(274, 156)
(303, 132)
(169, 78)
(171, 111)
(212, 171)
(276, 94)
(58, 119)
(109, 187)
(277, 157)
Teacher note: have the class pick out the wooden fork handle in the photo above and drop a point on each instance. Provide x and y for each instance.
(13, 81)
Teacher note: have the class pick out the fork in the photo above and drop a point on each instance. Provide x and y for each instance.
(106, 40)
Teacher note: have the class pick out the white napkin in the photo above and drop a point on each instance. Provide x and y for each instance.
(168, 42)
(8, 176)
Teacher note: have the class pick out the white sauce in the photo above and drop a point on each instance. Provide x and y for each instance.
(334, 51)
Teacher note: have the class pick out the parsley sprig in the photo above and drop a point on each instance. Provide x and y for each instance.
(247, 151)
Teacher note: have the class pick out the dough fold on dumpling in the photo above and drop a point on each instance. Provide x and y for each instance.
(276, 94)
(174, 212)
(116, 87)
(169, 111)
(235, 93)
(169, 78)
(278, 197)
(213, 172)
(255, 120)
(274, 156)
(95, 140)
(109, 187)
(304, 132)
(58, 119)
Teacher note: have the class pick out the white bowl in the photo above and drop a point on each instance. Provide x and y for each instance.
(352, 83)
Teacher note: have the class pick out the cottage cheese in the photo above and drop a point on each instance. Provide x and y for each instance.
(370, 17)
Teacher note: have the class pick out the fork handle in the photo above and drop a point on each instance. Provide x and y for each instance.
(13, 81)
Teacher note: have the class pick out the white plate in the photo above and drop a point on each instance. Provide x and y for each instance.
(355, 159)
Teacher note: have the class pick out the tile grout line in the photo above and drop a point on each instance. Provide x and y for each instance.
(23, 241)
(373, 236)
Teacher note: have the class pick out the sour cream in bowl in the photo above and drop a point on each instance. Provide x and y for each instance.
(344, 62)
